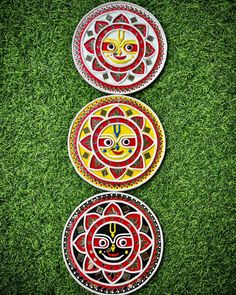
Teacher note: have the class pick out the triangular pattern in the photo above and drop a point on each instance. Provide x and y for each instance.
(99, 25)
(89, 45)
(118, 76)
(149, 50)
(117, 172)
(121, 18)
(142, 28)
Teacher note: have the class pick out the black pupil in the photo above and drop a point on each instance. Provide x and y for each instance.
(123, 243)
(111, 46)
(126, 141)
(129, 47)
(108, 142)
(103, 243)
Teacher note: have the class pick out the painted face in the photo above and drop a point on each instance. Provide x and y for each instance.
(113, 243)
(117, 142)
(120, 47)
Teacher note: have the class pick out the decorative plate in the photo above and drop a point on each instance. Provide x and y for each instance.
(112, 243)
(116, 143)
(119, 47)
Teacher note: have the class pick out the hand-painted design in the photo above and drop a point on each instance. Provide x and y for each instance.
(116, 143)
(112, 243)
(119, 47)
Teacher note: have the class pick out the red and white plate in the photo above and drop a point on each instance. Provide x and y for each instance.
(119, 47)
(116, 143)
(112, 243)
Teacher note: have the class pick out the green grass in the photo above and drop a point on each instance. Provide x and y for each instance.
(192, 194)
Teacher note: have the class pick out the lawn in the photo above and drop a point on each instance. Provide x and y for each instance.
(193, 192)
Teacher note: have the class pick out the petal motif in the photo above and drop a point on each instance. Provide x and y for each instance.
(139, 164)
(96, 66)
(118, 76)
(121, 18)
(80, 243)
(116, 111)
(140, 69)
(136, 266)
(149, 50)
(112, 209)
(112, 277)
(86, 142)
(99, 25)
(142, 28)
(135, 218)
(147, 142)
(95, 164)
(146, 242)
(89, 45)
(89, 219)
(89, 266)
(139, 121)
(95, 121)
(117, 172)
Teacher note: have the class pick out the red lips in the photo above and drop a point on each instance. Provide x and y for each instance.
(118, 153)
(120, 57)
(113, 254)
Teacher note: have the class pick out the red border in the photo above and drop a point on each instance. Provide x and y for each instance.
(99, 40)
(104, 220)
(97, 132)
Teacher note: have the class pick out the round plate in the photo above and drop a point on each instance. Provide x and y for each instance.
(112, 243)
(119, 47)
(116, 143)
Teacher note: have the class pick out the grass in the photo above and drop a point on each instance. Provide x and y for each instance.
(193, 192)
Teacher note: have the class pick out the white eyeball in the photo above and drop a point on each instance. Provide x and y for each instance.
(108, 142)
(128, 47)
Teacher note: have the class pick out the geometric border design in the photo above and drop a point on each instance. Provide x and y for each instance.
(72, 225)
(88, 74)
(104, 183)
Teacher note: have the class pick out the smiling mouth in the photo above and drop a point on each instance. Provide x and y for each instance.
(118, 153)
(113, 254)
(112, 258)
(120, 57)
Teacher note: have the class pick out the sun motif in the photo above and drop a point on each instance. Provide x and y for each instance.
(113, 243)
(116, 143)
(119, 47)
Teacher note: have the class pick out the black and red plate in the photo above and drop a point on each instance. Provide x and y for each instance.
(119, 47)
(112, 243)
(116, 143)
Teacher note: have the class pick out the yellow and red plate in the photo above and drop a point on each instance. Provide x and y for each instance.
(116, 143)
(119, 47)
(112, 244)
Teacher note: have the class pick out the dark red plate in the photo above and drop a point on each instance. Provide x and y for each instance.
(112, 243)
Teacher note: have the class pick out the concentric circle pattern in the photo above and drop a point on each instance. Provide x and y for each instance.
(112, 243)
(119, 47)
(116, 143)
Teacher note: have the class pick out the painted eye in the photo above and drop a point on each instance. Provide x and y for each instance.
(103, 243)
(124, 242)
(128, 47)
(111, 47)
(108, 142)
(125, 141)
(128, 142)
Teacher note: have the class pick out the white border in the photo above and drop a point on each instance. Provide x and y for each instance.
(120, 189)
(161, 238)
(145, 83)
